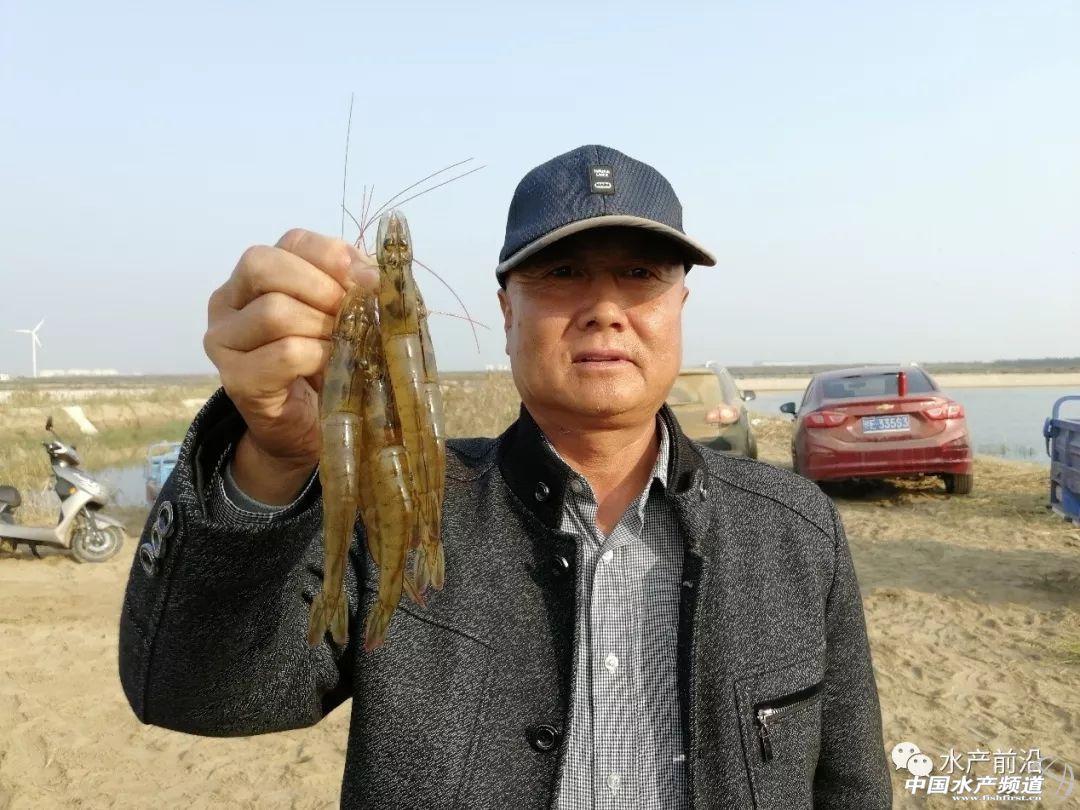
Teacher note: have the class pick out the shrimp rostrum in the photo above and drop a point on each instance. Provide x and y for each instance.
(383, 445)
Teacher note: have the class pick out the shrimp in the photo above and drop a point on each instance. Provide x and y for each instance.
(410, 363)
(340, 407)
(386, 497)
(383, 443)
(434, 449)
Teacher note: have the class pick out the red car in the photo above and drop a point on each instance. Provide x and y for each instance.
(880, 422)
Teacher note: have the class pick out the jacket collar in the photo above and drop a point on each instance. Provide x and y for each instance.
(539, 478)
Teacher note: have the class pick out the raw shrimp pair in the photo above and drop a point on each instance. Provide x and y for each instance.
(384, 449)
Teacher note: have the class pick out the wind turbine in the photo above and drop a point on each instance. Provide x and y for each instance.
(34, 342)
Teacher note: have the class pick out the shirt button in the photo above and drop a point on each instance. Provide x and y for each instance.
(607, 555)
(577, 487)
(542, 491)
(611, 663)
(613, 781)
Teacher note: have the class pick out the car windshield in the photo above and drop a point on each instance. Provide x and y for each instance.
(880, 384)
(695, 389)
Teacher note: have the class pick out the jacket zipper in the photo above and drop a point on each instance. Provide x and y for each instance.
(769, 712)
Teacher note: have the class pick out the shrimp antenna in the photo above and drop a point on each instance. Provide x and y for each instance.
(455, 315)
(432, 188)
(367, 202)
(386, 204)
(359, 239)
(418, 182)
(345, 173)
(468, 317)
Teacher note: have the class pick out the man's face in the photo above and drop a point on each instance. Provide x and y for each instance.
(594, 325)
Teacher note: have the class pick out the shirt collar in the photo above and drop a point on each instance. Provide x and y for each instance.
(539, 478)
(659, 469)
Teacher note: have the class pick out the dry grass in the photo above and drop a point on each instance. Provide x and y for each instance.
(475, 405)
(1071, 652)
(480, 404)
(128, 418)
(24, 464)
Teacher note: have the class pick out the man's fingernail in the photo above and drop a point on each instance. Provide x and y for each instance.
(363, 272)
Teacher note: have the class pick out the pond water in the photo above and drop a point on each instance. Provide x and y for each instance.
(1004, 422)
(129, 488)
(128, 483)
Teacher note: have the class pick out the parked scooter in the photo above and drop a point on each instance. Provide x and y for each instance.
(81, 528)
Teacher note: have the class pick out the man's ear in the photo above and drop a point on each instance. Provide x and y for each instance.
(508, 315)
(507, 311)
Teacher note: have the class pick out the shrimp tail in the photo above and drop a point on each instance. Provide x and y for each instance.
(413, 591)
(420, 572)
(323, 616)
(436, 566)
(430, 567)
(377, 622)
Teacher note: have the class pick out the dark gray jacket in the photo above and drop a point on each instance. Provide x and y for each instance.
(466, 704)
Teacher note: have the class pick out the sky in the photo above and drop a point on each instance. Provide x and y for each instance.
(879, 181)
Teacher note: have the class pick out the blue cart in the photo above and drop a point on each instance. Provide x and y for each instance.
(161, 457)
(1063, 447)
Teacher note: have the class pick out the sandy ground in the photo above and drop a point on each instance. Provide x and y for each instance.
(973, 608)
(69, 739)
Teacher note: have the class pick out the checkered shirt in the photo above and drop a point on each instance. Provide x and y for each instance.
(624, 744)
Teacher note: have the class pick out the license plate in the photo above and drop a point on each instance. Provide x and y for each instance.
(886, 424)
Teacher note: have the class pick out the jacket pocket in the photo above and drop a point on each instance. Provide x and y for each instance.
(780, 723)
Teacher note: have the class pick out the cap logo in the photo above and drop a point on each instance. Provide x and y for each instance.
(601, 180)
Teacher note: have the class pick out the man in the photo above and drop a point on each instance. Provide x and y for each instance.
(630, 620)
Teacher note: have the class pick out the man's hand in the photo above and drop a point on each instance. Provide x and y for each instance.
(268, 334)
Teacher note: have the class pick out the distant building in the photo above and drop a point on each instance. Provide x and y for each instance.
(5, 377)
(78, 372)
(785, 363)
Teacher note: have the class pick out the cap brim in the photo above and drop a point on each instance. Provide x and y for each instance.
(694, 252)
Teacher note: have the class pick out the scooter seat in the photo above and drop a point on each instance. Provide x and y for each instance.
(10, 496)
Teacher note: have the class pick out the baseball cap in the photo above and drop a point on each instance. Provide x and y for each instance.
(591, 187)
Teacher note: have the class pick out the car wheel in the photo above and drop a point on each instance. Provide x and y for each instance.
(958, 483)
